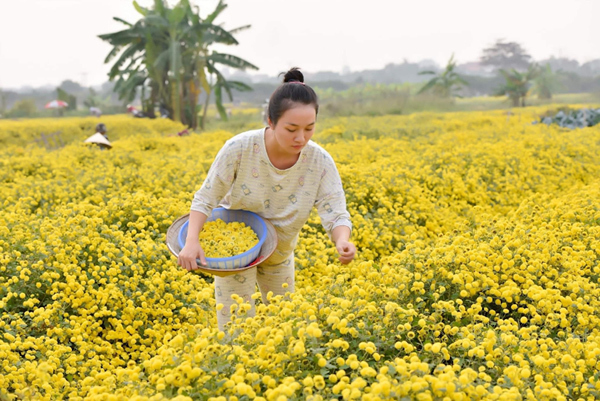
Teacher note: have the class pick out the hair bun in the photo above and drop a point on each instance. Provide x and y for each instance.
(292, 75)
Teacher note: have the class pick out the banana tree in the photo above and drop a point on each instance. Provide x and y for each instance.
(129, 44)
(169, 56)
(220, 84)
(445, 84)
(546, 82)
(206, 62)
(517, 85)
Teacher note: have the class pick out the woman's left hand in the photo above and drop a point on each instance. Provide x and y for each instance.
(347, 250)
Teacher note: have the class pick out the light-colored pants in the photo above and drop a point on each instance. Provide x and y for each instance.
(243, 284)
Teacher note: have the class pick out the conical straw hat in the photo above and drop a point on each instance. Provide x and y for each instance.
(98, 138)
(265, 252)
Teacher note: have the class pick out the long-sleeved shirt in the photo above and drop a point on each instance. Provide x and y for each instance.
(243, 177)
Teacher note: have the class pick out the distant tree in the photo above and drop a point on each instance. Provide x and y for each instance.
(71, 100)
(3, 102)
(591, 68)
(506, 55)
(546, 82)
(71, 86)
(93, 99)
(446, 83)
(23, 108)
(517, 85)
(561, 64)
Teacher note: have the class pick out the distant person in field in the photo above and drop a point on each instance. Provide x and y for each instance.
(135, 112)
(101, 128)
(278, 173)
(100, 138)
(95, 111)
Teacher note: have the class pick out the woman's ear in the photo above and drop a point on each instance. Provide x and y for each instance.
(271, 125)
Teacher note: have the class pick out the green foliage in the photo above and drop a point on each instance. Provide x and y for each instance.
(71, 100)
(379, 100)
(364, 100)
(546, 82)
(517, 85)
(22, 108)
(166, 56)
(506, 55)
(445, 84)
(3, 102)
(93, 99)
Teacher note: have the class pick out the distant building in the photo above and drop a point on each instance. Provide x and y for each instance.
(475, 68)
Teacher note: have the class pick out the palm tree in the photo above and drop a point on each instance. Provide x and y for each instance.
(167, 56)
(208, 62)
(546, 82)
(220, 83)
(130, 43)
(517, 85)
(445, 84)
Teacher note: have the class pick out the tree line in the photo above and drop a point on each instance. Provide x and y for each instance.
(165, 60)
(509, 61)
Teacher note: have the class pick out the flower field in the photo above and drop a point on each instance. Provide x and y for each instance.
(477, 274)
(73, 129)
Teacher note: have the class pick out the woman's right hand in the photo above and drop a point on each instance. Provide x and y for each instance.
(188, 255)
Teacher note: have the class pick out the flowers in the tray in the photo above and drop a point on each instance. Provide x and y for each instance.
(222, 240)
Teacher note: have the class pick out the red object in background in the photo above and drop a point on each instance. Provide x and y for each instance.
(56, 104)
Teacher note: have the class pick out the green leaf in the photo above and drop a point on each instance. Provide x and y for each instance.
(430, 84)
(239, 86)
(231, 61)
(157, 21)
(201, 69)
(239, 29)
(140, 9)
(176, 15)
(159, 7)
(219, 103)
(215, 34)
(122, 21)
(218, 9)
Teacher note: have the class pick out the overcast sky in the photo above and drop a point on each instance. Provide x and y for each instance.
(47, 41)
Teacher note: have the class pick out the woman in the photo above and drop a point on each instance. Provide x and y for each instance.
(278, 173)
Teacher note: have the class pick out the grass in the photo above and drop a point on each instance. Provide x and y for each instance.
(393, 101)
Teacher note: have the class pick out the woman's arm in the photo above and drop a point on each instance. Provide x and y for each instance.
(219, 179)
(331, 205)
(341, 237)
(196, 222)
(215, 186)
(192, 249)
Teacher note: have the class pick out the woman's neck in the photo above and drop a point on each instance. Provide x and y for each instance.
(277, 156)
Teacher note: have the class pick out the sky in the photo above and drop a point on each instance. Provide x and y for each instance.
(44, 42)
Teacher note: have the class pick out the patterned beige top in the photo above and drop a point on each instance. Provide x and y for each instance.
(242, 177)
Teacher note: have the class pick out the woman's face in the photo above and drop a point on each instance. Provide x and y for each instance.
(295, 128)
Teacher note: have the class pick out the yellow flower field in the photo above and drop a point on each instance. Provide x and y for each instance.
(74, 129)
(477, 274)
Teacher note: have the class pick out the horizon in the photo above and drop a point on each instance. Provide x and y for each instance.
(255, 74)
(64, 44)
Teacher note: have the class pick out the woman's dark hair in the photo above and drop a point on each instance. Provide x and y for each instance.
(292, 90)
